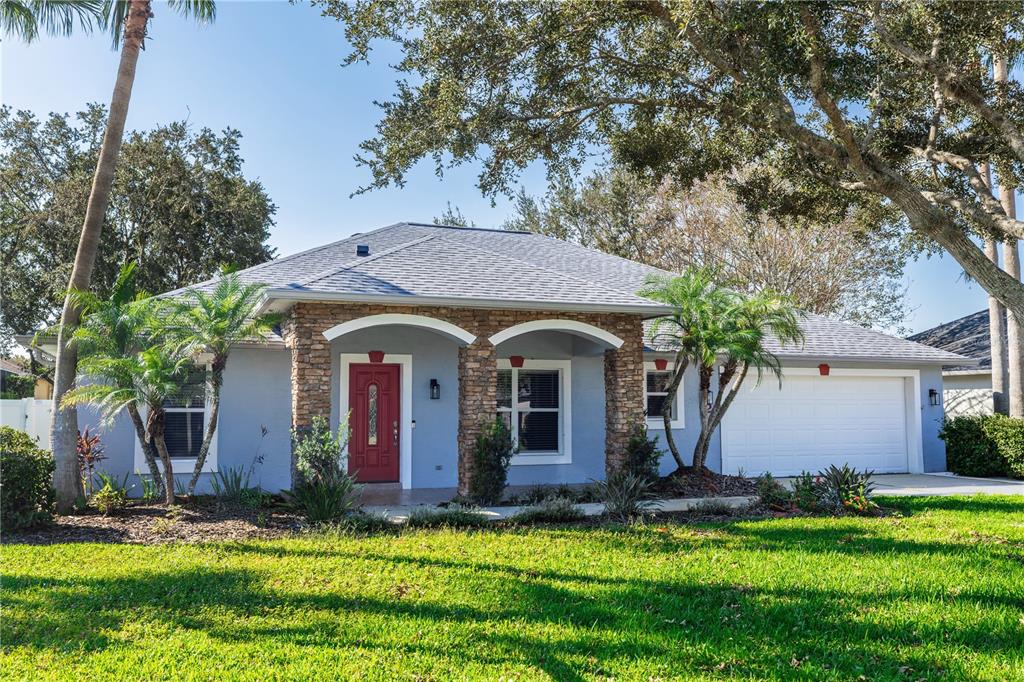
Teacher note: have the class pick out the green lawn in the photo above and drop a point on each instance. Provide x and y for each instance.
(936, 594)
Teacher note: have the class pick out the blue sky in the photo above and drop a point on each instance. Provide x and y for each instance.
(273, 70)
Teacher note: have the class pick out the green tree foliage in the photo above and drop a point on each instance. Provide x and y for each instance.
(179, 209)
(849, 267)
(854, 103)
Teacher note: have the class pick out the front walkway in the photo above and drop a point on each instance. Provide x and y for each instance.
(397, 503)
(916, 485)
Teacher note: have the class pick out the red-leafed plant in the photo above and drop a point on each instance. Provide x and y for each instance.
(90, 452)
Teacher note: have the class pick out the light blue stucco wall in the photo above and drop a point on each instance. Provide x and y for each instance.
(257, 394)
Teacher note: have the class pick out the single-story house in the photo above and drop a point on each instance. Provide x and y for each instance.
(967, 388)
(420, 334)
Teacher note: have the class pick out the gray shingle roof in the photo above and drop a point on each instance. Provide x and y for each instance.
(826, 339)
(411, 260)
(968, 336)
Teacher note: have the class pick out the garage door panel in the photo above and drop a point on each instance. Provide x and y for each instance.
(813, 421)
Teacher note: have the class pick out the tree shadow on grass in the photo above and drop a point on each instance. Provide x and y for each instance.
(568, 625)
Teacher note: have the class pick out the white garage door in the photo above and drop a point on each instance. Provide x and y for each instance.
(815, 421)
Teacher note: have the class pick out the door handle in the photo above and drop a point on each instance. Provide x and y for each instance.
(394, 431)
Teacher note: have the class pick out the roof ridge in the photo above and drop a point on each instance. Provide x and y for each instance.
(360, 260)
(604, 254)
(544, 267)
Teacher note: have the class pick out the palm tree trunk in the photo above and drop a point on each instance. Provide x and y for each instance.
(64, 426)
(1011, 263)
(211, 428)
(148, 448)
(157, 426)
(678, 370)
(700, 450)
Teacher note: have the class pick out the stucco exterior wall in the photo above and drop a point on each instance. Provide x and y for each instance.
(255, 394)
(933, 448)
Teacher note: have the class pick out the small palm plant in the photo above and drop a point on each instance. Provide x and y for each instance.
(136, 382)
(118, 326)
(210, 323)
(713, 325)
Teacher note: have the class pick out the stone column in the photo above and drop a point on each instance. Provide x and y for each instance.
(624, 393)
(478, 396)
(311, 368)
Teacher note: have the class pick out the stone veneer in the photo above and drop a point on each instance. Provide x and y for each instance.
(623, 368)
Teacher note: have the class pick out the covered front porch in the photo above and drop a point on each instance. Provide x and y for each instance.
(415, 385)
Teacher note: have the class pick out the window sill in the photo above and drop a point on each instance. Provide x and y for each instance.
(659, 424)
(534, 458)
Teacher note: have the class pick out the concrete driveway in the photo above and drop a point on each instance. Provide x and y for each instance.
(944, 484)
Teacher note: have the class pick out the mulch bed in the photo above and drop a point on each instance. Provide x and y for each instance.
(199, 520)
(705, 484)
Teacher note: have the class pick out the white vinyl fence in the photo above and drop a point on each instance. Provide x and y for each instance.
(29, 415)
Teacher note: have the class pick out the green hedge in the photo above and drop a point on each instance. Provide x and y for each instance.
(989, 445)
(26, 474)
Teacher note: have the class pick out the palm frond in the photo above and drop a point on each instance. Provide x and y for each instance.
(27, 19)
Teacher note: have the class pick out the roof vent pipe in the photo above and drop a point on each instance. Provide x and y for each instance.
(362, 250)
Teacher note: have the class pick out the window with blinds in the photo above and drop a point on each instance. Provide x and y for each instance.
(657, 390)
(186, 416)
(530, 403)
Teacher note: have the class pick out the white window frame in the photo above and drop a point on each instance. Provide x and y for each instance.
(564, 453)
(183, 464)
(657, 423)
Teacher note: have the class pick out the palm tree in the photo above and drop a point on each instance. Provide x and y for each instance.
(145, 380)
(715, 325)
(117, 327)
(126, 20)
(210, 323)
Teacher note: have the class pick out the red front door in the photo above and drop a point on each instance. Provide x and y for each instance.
(375, 422)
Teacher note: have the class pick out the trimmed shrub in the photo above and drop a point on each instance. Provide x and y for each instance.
(970, 450)
(318, 452)
(807, 491)
(626, 496)
(643, 458)
(550, 510)
(1007, 435)
(492, 455)
(455, 516)
(27, 497)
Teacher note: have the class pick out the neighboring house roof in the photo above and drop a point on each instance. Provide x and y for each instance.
(11, 367)
(826, 339)
(437, 264)
(968, 336)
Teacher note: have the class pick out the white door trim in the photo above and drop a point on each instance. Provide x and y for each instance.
(405, 374)
(912, 395)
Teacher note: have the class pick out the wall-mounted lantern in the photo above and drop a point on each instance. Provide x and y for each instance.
(933, 397)
(435, 389)
(660, 364)
(823, 369)
(515, 360)
(376, 356)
